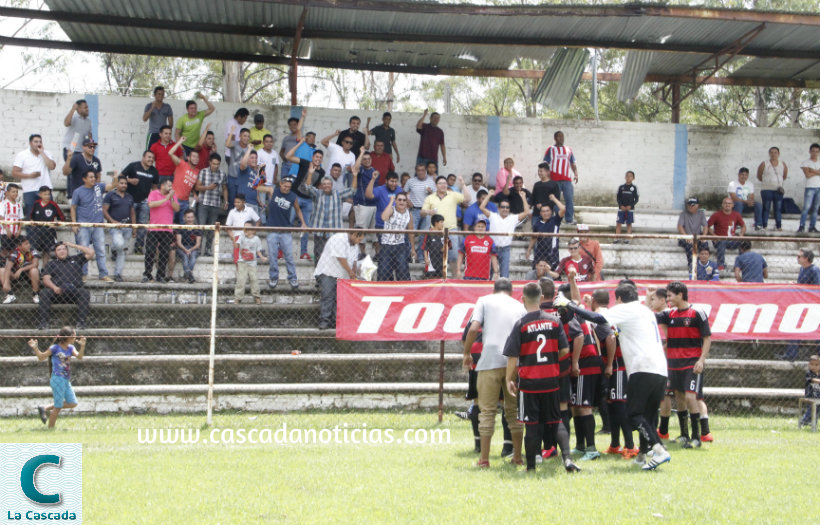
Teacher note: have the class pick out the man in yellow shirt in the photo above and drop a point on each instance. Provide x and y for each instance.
(258, 131)
(445, 202)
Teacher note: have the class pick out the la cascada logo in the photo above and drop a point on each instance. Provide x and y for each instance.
(41, 483)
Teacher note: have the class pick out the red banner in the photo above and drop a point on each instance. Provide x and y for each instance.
(438, 310)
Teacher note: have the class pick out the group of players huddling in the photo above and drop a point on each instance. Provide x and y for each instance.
(549, 357)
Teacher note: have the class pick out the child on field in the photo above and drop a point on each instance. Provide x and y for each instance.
(432, 246)
(627, 199)
(812, 387)
(60, 370)
(248, 247)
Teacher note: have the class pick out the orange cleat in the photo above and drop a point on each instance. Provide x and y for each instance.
(613, 450)
(708, 438)
(663, 436)
(630, 453)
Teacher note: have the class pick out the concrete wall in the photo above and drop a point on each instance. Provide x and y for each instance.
(671, 161)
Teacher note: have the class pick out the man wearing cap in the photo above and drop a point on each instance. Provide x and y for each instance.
(258, 131)
(81, 163)
(591, 249)
(692, 221)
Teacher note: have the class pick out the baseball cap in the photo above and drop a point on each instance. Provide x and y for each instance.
(583, 227)
(89, 142)
(482, 219)
(693, 200)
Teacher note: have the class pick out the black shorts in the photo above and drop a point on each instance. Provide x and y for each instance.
(616, 390)
(684, 380)
(564, 389)
(539, 408)
(585, 391)
(698, 388)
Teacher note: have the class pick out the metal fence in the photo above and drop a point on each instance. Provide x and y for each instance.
(186, 335)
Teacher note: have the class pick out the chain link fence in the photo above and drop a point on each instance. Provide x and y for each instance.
(161, 333)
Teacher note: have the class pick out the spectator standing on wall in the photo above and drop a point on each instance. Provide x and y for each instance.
(80, 163)
(386, 135)
(157, 113)
(360, 140)
(142, 178)
(293, 136)
(190, 124)
(724, 223)
(627, 199)
(742, 193)
(432, 138)
(811, 195)
(77, 124)
(772, 174)
(32, 167)
(691, 221)
(750, 267)
(561, 160)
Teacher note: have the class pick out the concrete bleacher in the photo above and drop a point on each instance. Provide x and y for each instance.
(149, 342)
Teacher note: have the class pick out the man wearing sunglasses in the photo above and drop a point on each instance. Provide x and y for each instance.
(81, 163)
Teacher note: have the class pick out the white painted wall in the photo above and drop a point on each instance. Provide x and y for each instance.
(604, 150)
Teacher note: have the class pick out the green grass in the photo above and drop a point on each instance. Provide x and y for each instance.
(757, 471)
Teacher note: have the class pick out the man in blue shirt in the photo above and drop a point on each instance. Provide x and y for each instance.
(809, 273)
(382, 195)
(750, 267)
(87, 206)
(248, 181)
(706, 270)
(279, 206)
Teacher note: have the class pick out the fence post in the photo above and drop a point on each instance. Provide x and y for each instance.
(441, 345)
(693, 268)
(212, 349)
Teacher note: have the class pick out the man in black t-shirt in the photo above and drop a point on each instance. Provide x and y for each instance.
(142, 178)
(533, 348)
(359, 139)
(63, 282)
(542, 190)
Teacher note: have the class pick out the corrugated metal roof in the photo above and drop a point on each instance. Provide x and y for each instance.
(772, 68)
(635, 69)
(561, 79)
(433, 35)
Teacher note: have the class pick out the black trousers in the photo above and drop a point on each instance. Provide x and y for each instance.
(644, 393)
(79, 296)
(157, 241)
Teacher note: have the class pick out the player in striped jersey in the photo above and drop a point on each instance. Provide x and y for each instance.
(586, 385)
(687, 347)
(533, 348)
(10, 210)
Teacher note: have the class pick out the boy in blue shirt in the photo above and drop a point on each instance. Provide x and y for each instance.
(705, 270)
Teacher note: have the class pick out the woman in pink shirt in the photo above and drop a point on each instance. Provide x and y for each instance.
(504, 177)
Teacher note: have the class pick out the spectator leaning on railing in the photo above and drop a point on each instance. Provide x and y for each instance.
(63, 282)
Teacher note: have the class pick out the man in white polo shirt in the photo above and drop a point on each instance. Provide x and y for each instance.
(32, 167)
(496, 314)
(503, 222)
(338, 261)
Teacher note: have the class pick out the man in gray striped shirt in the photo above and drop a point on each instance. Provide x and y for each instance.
(328, 202)
(417, 189)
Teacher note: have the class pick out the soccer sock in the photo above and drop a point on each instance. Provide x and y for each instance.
(580, 432)
(663, 428)
(603, 410)
(548, 436)
(683, 416)
(532, 444)
(565, 419)
(562, 438)
(618, 421)
(589, 430)
(695, 418)
(704, 426)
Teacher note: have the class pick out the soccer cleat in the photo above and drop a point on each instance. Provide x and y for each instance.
(708, 438)
(629, 453)
(663, 436)
(640, 459)
(614, 450)
(43, 414)
(507, 451)
(571, 467)
(462, 415)
(36, 299)
(694, 443)
(682, 439)
(482, 464)
(590, 455)
(538, 459)
(603, 431)
(577, 452)
(658, 459)
(549, 453)
(10, 298)
(306, 257)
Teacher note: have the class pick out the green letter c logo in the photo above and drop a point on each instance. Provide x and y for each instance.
(27, 479)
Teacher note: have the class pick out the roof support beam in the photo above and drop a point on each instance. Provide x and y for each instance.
(288, 32)
(297, 38)
(284, 60)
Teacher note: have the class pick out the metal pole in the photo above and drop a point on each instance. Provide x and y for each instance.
(212, 349)
(441, 345)
(595, 82)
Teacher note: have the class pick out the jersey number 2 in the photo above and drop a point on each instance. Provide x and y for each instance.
(543, 340)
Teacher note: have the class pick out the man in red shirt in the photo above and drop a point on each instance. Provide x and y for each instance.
(724, 223)
(186, 174)
(477, 255)
(165, 166)
(381, 162)
(431, 138)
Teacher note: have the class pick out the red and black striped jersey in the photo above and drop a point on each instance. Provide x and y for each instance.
(589, 361)
(684, 336)
(603, 331)
(564, 362)
(536, 340)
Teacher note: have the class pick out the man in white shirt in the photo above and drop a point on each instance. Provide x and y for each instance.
(341, 154)
(811, 196)
(338, 261)
(76, 123)
(644, 358)
(239, 215)
(503, 222)
(497, 314)
(32, 167)
(742, 193)
(471, 190)
(270, 160)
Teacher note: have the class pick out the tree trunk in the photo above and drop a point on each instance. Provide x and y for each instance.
(794, 109)
(391, 79)
(230, 81)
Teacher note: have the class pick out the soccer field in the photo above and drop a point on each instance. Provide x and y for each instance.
(758, 470)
